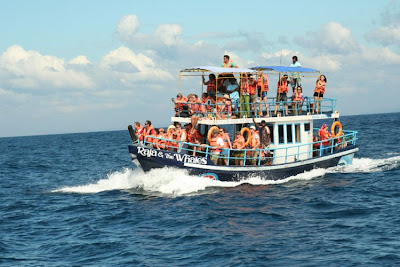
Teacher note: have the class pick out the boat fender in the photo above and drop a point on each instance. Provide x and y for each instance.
(132, 133)
(247, 130)
(210, 132)
(211, 176)
(339, 133)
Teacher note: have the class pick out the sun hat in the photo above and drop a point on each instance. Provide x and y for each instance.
(253, 127)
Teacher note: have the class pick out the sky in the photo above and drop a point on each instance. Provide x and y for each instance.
(84, 66)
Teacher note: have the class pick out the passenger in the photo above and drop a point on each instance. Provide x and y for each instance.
(199, 109)
(265, 133)
(253, 93)
(173, 142)
(211, 85)
(226, 108)
(233, 90)
(316, 146)
(254, 144)
(238, 144)
(178, 129)
(193, 137)
(227, 145)
(147, 132)
(156, 140)
(208, 103)
(228, 63)
(181, 107)
(298, 99)
(282, 94)
(324, 137)
(216, 144)
(263, 88)
(161, 142)
(295, 79)
(319, 92)
(244, 97)
(138, 130)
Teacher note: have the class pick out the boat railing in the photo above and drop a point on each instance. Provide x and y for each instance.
(220, 110)
(255, 157)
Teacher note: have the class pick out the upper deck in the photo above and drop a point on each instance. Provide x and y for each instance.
(228, 81)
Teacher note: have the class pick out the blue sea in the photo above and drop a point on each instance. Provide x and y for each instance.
(77, 200)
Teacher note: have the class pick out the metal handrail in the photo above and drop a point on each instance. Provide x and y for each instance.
(296, 108)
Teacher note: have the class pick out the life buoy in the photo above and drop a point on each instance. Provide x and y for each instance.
(247, 130)
(333, 127)
(210, 132)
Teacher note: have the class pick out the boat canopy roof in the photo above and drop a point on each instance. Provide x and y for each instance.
(218, 70)
(284, 69)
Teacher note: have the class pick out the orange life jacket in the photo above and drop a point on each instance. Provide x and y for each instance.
(324, 136)
(214, 145)
(320, 87)
(147, 132)
(262, 83)
(211, 86)
(254, 138)
(283, 87)
(161, 142)
(227, 65)
(253, 88)
(194, 136)
(239, 142)
(297, 97)
(244, 86)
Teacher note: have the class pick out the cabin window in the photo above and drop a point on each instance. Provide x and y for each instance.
(281, 134)
(297, 133)
(306, 127)
(271, 129)
(289, 133)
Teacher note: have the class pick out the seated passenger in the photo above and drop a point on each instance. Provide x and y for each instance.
(138, 130)
(148, 131)
(211, 85)
(208, 104)
(239, 144)
(161, 142)
(181, 106)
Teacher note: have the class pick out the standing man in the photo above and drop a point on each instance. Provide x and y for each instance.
(295, 79)
(228, 63)
(265, 133)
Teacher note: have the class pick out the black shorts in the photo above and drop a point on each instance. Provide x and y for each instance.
(318, 94)
(281, 97)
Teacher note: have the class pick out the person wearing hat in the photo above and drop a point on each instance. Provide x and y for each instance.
(254, 144)
(216, 144)
(324, 137)
(161, 138)
(239, 144)
(282, 94)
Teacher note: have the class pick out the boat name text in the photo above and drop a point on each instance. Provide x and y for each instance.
(147, 152)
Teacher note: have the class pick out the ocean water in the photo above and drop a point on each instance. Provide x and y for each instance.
(76, 200)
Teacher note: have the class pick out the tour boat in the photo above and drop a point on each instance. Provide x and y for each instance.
(292, 149)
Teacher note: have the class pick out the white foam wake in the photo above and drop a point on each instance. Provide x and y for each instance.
(368, 165)
(171, 182)
(175, 182)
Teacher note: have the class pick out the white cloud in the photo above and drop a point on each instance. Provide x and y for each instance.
(388, 35)
(80, 60)
(32, 70)
(331, 38)
(169, 33)
(127, 27)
